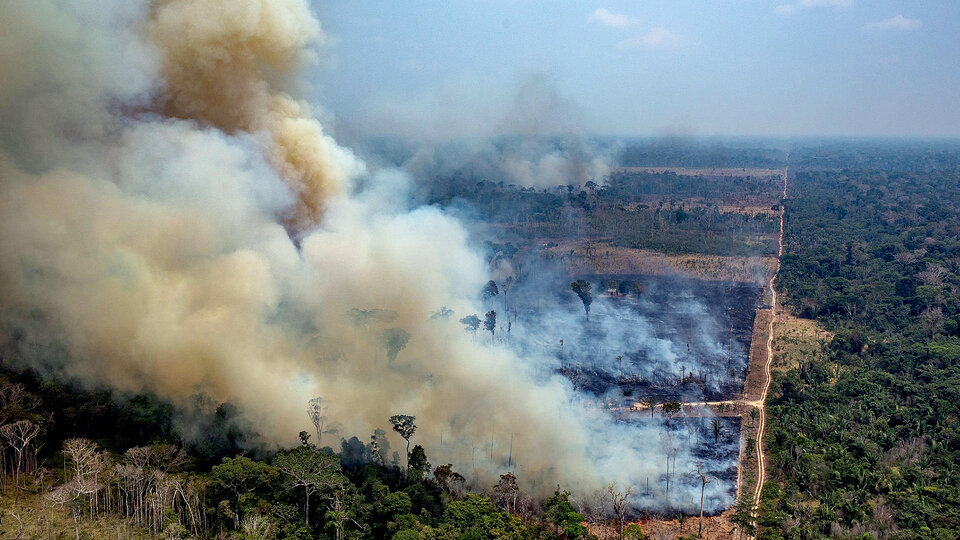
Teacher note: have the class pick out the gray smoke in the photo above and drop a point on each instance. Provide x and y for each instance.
(154, 168)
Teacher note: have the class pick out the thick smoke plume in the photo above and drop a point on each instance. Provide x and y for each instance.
(222, 67)
(153, 169)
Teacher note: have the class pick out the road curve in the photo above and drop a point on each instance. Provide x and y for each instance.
(761, 403)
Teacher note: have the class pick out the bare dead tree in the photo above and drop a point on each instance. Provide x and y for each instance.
(669, 447)
(61, 496)
(507, 490)
(317, 410)
(704, 480)
(619, 499)
(88, 466)
(19, 435)
(14, 400)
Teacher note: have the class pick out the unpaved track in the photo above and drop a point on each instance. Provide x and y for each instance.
(761, 403)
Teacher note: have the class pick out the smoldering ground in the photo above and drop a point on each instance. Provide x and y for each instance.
(664, 337)
(173, 220)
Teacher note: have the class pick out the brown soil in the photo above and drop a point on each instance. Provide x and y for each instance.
(714, 528)
(753, 385)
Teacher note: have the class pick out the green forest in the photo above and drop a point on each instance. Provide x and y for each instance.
(864, 435)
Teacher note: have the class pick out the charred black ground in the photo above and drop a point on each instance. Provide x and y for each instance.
(664, 338)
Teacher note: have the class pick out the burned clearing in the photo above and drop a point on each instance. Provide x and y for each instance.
(643, 297)
(647, 337)
(713, 443)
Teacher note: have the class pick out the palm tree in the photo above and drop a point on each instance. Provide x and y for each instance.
(717, 429)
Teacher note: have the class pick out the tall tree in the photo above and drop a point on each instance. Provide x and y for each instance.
(472, 323)
(403, 424)
(19, 435)
(582, 289)
(379, 447)
(490, 290)
(507, 490)
(16, 402)
(443, 313)
(310, 468)
(317, 411)
(394, 340)
(490, 322)
(649, 403)
(619, 499)
(704, 480)
(505, 287)
(239, 477)
(418, 465)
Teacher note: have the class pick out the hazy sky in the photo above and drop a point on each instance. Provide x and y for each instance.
(653, 67)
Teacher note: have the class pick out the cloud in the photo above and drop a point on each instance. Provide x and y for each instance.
(790, 9)
(656, 38)
(898, 22)
(613, 20)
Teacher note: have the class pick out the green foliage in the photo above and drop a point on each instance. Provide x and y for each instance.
(419, 466)
(864, 435)
(468, 513)
(558, 510)
(633, 532)
(240, 484)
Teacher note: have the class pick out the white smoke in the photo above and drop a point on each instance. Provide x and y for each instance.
(153, 168)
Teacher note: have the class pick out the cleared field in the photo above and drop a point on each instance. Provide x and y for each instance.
(795, 339)
(591, 257)
(714, 171)
(34, 517)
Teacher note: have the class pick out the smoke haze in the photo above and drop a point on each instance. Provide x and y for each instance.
(174, 220)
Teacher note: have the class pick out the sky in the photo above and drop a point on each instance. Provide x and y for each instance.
(442, 69)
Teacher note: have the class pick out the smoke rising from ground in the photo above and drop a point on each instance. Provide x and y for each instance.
(536, 138)
(152, 170)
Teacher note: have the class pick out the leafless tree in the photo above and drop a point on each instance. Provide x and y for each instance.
(317, 410)
(19, 435)
(88, 466)
(669, 447)
(14, 400)
(61, 496)
(619, 500)
(704, 480)
(507, 490)
(933, 275)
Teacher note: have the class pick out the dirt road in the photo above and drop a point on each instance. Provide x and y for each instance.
(761, 403)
